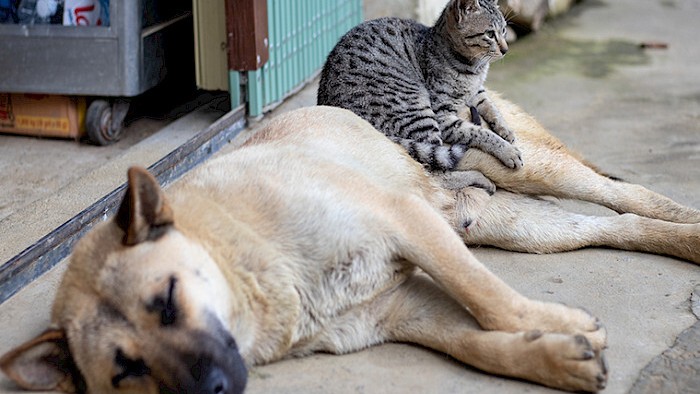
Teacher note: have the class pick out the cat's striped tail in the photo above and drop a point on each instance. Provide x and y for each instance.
(434, 157)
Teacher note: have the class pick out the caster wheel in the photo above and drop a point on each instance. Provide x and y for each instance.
(99, 124)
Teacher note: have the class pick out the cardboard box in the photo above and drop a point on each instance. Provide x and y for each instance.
(42, 115)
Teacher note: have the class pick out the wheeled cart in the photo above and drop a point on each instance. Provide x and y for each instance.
(108, 64)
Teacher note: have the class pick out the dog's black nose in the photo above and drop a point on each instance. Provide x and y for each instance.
(215, 382)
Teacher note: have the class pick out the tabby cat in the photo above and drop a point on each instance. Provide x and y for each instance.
(409, 81)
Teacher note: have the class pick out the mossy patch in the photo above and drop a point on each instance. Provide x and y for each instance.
(544, 54)
(669, 3)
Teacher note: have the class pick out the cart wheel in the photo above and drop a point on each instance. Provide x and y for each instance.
(98, 124)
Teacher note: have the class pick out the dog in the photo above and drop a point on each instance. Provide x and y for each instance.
(320, 235)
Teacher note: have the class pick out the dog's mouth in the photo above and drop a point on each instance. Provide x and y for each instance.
(212, 366)
(209, 363)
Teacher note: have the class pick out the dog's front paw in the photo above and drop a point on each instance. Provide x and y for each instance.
(568, 362)
(548, 317)
(553, 317)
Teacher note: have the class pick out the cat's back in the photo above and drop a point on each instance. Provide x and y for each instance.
(374, 52)
(383, 39)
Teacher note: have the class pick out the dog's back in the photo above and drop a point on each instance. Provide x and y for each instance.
(290, 163)
(323, 137)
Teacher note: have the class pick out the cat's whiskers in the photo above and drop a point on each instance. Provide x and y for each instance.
(510, 15)
(483, 59)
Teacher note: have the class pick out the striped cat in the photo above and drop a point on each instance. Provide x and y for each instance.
(409, 81)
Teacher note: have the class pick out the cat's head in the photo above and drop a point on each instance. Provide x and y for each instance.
(476, 29)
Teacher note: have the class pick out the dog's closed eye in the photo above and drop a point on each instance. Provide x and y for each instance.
(129, 368)
(165, 304)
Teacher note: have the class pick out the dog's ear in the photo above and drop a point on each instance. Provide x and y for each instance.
(43, 363)
(145, 214)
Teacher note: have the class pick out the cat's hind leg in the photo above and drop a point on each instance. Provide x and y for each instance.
(455, 180)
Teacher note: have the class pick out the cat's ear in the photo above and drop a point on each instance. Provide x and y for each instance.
(463, 7)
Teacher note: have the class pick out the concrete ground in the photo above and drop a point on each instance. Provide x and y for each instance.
(635, 113)
(45, 181)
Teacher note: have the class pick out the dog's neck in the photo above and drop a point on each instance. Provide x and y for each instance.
(256, 318)
(250, 265)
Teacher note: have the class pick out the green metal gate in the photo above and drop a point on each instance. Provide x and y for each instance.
(301, 34)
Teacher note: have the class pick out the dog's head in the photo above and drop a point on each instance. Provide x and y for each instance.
(141, 308)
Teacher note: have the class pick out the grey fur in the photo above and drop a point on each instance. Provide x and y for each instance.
(410, 81)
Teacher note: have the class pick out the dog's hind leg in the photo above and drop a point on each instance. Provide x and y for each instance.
(551, 169)
(419, 312)
(422, 237)
(527, 224)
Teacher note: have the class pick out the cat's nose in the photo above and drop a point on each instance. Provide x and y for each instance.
(504, 49)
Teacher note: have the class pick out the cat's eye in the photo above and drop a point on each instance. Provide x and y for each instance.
(491, 34)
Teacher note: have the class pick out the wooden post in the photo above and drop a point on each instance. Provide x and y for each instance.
(246, 25)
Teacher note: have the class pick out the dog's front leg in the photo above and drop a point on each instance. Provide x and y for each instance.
(427, 241)
(419, 312)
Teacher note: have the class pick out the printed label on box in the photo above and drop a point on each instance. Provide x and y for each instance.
(42, 115)
(6, 118)
(43, 123)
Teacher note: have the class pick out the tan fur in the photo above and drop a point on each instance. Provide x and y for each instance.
(321, 235)
(514, 220)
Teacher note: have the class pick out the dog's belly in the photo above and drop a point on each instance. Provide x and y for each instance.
(330, 301)
(337, 229)
(340, 287)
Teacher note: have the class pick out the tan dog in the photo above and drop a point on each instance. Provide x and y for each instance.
(316, 235)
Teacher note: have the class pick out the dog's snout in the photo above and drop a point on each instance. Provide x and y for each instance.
(215, 382)
(214, 366)
(210, 378)
(219, 374)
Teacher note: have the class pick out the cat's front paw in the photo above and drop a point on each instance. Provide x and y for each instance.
(510, 156)
(504, 132)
